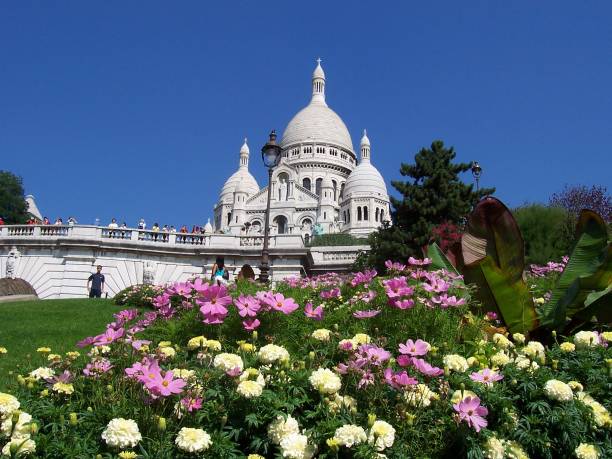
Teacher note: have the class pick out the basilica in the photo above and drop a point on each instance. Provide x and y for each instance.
(320, 185)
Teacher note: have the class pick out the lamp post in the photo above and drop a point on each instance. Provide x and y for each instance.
(270, 154)
(476, 173)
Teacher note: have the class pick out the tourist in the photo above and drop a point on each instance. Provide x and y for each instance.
(58, 221)
(72, 221)
(2, 221)
(172, 229)
(155, 229)
(183, 229)
(220, 274)
(46, 221)
(142, 224)
(113, 224)
(95, 283)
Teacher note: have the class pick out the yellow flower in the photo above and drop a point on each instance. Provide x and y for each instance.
(164, 344)
(72, 355)
(43, 350)
(54, 357)
(63, 388)
(255, 456)
(586, 451)
(567, 347)
(128, 455)
(247, 347)
(3, 350)
(196, 342)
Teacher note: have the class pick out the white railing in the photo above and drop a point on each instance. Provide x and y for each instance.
(122, 235)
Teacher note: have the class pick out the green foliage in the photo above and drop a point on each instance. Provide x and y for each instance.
(544, 231)
(137, 296)
(335, 239)
(434, 194)
(13, 207)
(388, 243)
(588, 269)
(439, 259)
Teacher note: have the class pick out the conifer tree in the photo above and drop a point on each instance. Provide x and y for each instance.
(13, 206)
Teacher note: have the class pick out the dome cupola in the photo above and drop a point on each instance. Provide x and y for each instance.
(242, 176)
(365, 180)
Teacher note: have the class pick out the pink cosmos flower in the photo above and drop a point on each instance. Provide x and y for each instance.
(200, 286)
(366, 314)
(436, 285)
(266, 299)
(282, 304)
(397, 380)
(333, 293)
(416, 262)
(236, 371)
(404, 360)
(491, 316)
(425, 368)
(166, 385)
(191, 403)
(446, 301)
(316, 313)
(87, 341)
(139, 343)
(109, 336)
(374, 354)
(402, 304)
(126, 315)
(471, 411)
(182, 289)
(213, 304)
(97, 367)
(161, 300)
(394, 266)
(247, 306)
(363, 277)
(418, 347)
(486, 376)
(366, 379)
(251, 324)
(397, 287)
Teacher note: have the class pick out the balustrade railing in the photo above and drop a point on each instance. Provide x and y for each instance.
(153, 236)
(191, 239)
(19, 230)
(116, 233)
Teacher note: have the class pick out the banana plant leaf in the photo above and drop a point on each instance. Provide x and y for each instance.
(503, 294)
(438, 259)
(599, 304)
(493, 258)
(588, 269)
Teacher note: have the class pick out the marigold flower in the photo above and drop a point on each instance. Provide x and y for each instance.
(586, 451)
(325, 381)
(349, 435)
(121, 433)
(558, 390)
(192, 440)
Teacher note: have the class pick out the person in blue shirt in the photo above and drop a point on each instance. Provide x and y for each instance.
(95, 283)
(219, 273)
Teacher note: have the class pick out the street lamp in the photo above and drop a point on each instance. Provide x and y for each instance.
(270, 154)
(476, 173)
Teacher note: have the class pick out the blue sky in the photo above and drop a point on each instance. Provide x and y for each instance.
(138, 109)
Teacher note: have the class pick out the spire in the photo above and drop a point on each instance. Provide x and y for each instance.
(318, 85)
(365, 147)
(244, 155)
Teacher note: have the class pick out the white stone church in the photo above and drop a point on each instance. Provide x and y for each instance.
(320, 186)
(319, 180)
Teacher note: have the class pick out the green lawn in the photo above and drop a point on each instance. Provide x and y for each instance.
(58, 324)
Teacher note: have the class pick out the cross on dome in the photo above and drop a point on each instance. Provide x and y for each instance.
(318, 85)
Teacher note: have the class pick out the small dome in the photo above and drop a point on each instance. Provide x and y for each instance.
(318, 71)
(365, 142)
(317, 123)
(243, 177)
(365, 180)
(208, 227)
(245, 148)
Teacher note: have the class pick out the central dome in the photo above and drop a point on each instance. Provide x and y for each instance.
(317, 123)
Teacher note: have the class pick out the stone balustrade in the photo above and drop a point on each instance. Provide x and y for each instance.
(212, 240)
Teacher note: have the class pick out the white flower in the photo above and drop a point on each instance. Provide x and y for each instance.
(282, 427)
(227, 362)
(321, 334)
(586, 451)
(271, 353)
(576, 386)
(249, 389)
(501, 341)
(19, 430)
(382, 435)
(534, 349)
(420, 396)
(121, 433)
(192, 440)
(21, 447)
(42, 373)
(518, 338)
(584, 339)
(167, 352)
(558, 390)
(183, 373)
(456, 363)
(601, 416)
(361, 338)
(567, 347)
(514, 450)
(196, 342)
(494, 449)
(325, 381)
(338, 401)
(349, 435)
(8, 404)
(500, 359)
(295, 446)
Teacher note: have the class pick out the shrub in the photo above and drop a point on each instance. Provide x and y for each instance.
(137, 296)
(544, 231)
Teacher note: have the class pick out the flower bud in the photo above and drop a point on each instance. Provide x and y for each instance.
(98, 456)
(30, 385)
(371, 419)
(333, 444)
(161, 424)
(336, 327)
(555, 364)
(255, 334)
(554, 333)
(44, 392)
(410, 419)
(446, 371)
(462, 386)
(15, 417)
(311, 355)
(73, 419)
(21, 380)
(223, 420)
(109, 387)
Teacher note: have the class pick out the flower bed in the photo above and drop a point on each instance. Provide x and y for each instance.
(357, 366)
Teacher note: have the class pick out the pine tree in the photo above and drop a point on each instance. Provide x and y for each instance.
(434, 195)
(13, 207)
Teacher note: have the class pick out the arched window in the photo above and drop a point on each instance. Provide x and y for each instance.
(376, 215)
(281, 224)
(306, 183)
(358, 214)
(382, 212)
(319, 182)
(229, 218)
(335, 185)
(341, 191)
(365, 213)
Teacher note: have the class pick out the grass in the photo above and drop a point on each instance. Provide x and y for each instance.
(58, 324)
